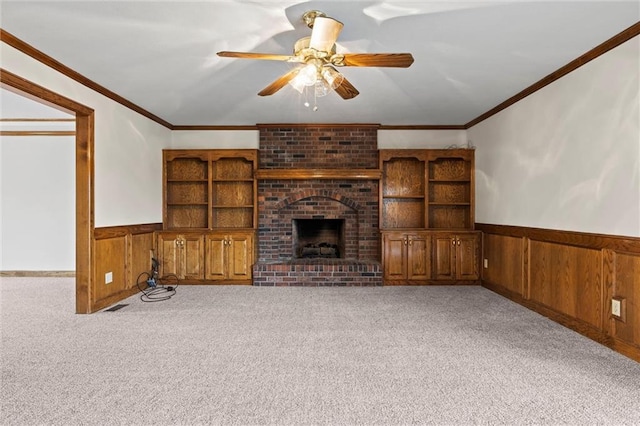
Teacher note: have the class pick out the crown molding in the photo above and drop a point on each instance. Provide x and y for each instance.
(599, 50)
(36, 54)
(316, 125)
(423, 127)
(210, 127)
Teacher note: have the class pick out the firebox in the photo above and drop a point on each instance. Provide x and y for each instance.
(318, 238)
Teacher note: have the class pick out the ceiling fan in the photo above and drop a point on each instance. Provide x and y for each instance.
(318, 58)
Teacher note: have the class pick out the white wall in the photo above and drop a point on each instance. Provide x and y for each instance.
(421, 139)
(128, 147)
(38, 203)
(568, 156)
(215, 139)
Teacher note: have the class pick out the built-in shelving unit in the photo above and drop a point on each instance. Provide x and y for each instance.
(427, 216)
(209, 216)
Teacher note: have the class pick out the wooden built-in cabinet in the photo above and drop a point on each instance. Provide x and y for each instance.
(456, 256)
(229, 256)
(181, 255)
(407, 256)
(427, 198)
(209, 196)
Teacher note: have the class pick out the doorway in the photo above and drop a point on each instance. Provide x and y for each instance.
(84, 149)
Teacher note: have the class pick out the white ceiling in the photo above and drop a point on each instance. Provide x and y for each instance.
(469, 56)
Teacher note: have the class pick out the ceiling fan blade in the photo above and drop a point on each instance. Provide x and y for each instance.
(250, 55)
(324, 33)
(346, 90)
(279, 83)
(399, 60)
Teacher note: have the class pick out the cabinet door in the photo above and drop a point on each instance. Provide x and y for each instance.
(418, 257)
(240, 256)
(192, 257)
(467, 257)
(216, 257)
(394, 256)
(169, 255)
(444, 257)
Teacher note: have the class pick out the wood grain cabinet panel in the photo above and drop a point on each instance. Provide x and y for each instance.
(456, 257)
(181, 255)
(395, 257)
(407, 256)
(418, 256)
(230, 256)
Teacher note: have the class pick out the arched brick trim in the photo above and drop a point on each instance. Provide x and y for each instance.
(308, 193)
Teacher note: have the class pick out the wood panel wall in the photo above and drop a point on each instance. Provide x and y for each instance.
(125, 251)
(569, 277)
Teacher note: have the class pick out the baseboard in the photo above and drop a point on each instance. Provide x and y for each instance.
(114, 298)
(48, 274)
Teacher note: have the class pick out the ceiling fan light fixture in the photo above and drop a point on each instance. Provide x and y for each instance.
(332, 77)
(308, 76)
(322, 88)
(297, 84)
(317, 57)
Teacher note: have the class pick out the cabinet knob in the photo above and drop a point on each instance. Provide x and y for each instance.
(405, 241)
(453, 242)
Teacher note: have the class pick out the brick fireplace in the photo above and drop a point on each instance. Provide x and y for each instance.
(323, 175)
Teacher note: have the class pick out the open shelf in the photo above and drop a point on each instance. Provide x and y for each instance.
(426, 189)
(233, 217)
(449, 217)
(209, 189)
(187, 216)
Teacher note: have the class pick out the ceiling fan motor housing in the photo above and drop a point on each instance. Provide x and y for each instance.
(310, 17)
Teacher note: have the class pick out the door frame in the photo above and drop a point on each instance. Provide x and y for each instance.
(84, 148)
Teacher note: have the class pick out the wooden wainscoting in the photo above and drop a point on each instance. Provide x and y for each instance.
(570, 277)
(125, 252)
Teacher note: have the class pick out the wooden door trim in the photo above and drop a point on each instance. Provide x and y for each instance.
(84, 148)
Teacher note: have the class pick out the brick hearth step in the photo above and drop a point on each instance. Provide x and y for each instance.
(318, 273)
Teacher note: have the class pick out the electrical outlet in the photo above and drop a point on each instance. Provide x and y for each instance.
(108, 278)
(619, 308)
(615, 308)
(486, 263)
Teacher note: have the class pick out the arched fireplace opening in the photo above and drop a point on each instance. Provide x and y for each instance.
(318, 238)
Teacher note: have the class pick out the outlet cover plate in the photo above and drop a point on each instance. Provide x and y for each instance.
(108, 278)
(619, 308)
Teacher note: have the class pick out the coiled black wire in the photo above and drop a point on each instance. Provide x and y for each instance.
(164, 288)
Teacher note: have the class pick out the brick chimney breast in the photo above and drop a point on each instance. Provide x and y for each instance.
(319, 149)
